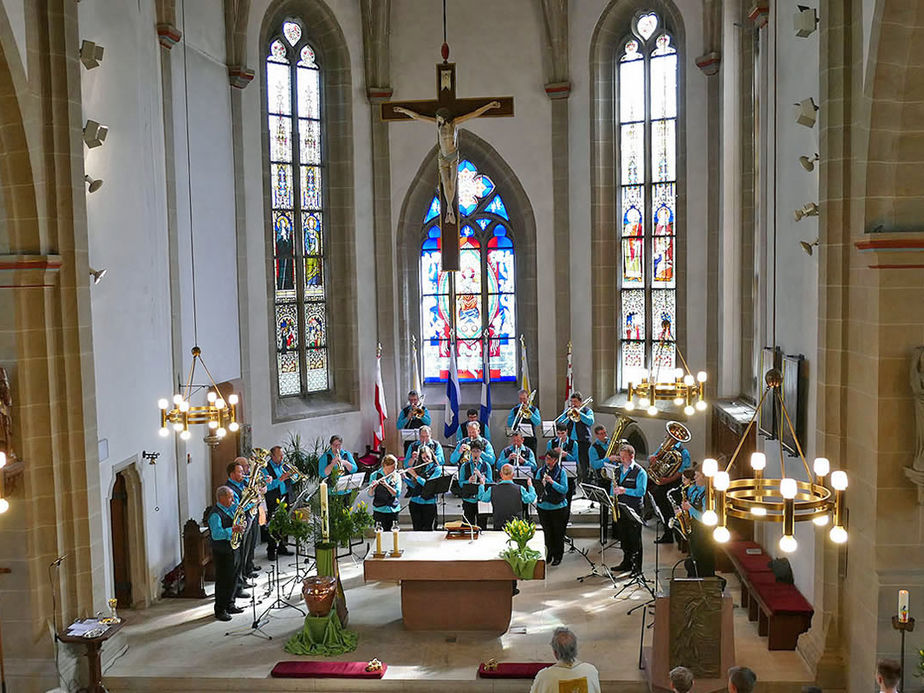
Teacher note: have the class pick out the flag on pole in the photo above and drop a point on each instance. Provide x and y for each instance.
(485, 412)
(378, 437)
(451, 421)
(415, 373)
(569, 377)
(524, 366)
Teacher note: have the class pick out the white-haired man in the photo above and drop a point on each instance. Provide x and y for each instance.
(567, 674)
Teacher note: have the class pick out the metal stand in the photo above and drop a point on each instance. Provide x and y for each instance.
(279, 602)
(300, 573)
(903, 627)
(256, 626)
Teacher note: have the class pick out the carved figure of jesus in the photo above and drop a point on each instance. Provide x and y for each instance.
(448, 139)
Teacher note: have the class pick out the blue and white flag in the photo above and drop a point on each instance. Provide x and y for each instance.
(451, 422)
(485, 413)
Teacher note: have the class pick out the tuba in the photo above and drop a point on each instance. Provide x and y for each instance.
(667, 460)
(622, 423)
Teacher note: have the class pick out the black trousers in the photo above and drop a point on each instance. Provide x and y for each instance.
(665, 511)
(630, 539)
(471, 515)
(226, 569)
(531, 443)
(584, 472)
(423, 516)
(249, 544)
(701, 562)
(384, 519)
(553, 524)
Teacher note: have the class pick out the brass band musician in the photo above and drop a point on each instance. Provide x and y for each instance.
(701, 562)
(335, 457)
(660, 487)
(525, 412)
(579, 418)
(414, 415)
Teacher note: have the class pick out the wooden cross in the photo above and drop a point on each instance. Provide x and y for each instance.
(458, 110)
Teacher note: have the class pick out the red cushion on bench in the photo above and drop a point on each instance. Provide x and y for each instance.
(326, 670)
(783, 598)
(739, 548)
(767, 578)
(755, 564)
(513, 670)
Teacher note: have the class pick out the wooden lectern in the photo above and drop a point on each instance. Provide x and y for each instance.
(694, 628)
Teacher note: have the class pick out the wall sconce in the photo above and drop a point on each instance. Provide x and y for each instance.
(809, 249)
(806, 111)
(805, 21)
(810, 209)
(94, 134)
(91, 54)
(97, 275)
(808, 163)
(93, 184)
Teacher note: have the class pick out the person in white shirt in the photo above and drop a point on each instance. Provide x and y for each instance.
(567, 674)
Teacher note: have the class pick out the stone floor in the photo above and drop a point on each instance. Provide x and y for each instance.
(176, 645)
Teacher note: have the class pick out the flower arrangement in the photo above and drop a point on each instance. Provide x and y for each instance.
(519, 532)
(521, 558)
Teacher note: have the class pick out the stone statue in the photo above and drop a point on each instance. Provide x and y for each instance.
(449, 147)
(6, 415)
(917, 390)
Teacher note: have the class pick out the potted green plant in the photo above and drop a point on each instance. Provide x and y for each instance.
(521, 558)
(305, 460)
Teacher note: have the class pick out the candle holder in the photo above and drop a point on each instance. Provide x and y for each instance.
(113, 617)
(396, 554)
(902, 627)
(378, 553)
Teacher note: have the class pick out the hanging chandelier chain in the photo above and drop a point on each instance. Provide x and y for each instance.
(747, 429)
(192, 242)
(789, 425)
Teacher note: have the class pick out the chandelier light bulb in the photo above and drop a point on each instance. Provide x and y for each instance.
(184, 435)
(678, 373)
(643, 402)
(721, 534)
(701, 376)
(177, 427)
(788, 487)
(678, 401)
(213, 424)
(211, 397)
(688, 410)
(710, 519)
(221, 432)
(630, 405)
(721, 480)
(164, 432)
(688, 380)
(652, 410)
(839, 480)
(838, 534)
(162, 403)
(233, 426)
(219, 403)
(4, 505)
(232, 399)
(788, 543)
(759, 511)
(184, 405)
(710, 467)
(177, 399)
(701, 405)
(820, 521)
(758, 461)
(821, 466)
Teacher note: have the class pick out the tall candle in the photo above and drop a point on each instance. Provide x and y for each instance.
(394, 536)
(903, 606)
(325, 520)
(378, 540)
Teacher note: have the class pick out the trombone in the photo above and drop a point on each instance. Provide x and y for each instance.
(525, 412)
(573, 413)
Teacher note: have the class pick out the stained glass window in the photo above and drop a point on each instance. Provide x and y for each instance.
(646, 85)
(297, 178)
(482, 305)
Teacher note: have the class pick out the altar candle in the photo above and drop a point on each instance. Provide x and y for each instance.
(394, 537)
(903, 606)
(325, 520)
(378, 540)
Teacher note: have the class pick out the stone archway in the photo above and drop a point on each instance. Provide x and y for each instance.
(127, 540)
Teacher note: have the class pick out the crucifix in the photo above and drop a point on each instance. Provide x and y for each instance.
(448, 112)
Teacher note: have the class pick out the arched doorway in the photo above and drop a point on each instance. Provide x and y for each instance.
(126, 531)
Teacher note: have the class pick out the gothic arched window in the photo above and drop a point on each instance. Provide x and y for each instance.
(297, 197)
(483, 298)
(646, 88)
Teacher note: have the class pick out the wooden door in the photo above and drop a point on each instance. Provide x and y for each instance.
(121, 565)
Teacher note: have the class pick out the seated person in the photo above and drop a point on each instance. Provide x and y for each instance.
(507, 498)
(335, 457)
(567, 674)
(473, 474)
(426, 441)
(517, 454)
(473, 428)
(472, 416)
(385, 489)
(561, 441)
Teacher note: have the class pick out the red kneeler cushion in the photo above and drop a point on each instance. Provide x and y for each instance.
(513, 670)
(783, 598)
(755, 564)
(326, 670)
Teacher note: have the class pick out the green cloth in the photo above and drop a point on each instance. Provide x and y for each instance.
(522, 563)
(322, 635)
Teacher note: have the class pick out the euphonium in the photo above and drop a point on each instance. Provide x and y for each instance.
(622, 423)
(250, 499)
(667, 460)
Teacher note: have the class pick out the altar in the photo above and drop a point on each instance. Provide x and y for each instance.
(453, 584)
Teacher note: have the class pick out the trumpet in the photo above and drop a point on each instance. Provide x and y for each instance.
(294, 475)
(525, 412)
(418, 411)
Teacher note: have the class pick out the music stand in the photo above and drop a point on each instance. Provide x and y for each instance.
(548, 429)
(437, 486)
(606, 501)
(638, 579)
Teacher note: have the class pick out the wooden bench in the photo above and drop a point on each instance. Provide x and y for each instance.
(781, 611)
(197, 560)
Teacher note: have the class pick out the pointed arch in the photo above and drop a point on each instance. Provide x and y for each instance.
(522, 230)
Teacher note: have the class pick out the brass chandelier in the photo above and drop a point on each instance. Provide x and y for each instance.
(219, 413)
(684, 390)
(757, 498)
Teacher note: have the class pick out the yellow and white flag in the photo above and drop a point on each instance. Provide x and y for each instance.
(415, 368)
(524, 366)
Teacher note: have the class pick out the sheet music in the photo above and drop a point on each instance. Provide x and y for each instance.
(570, 467)
(349, 482)
(409, 435)
(612, 470)
(484, 508)
(522, 471)
(548, 429)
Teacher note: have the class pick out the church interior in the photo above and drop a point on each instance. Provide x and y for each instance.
(703, 218)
